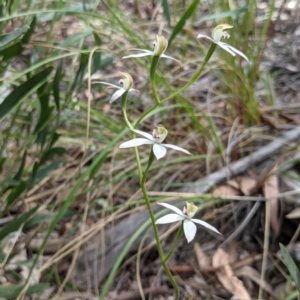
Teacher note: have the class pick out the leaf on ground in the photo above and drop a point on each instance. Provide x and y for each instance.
(226, 276)
(271, 191)
(247, 184)
(254, 275)
(226, 190)
(202, 258)
(294, 214)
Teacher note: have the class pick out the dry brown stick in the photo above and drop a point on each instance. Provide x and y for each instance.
(241, 165)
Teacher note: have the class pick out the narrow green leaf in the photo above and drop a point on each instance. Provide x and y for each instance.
(56, 82)
(84, 58)
(11, 51)
(51, 153)
(44, 119)
(21, 169)
(230, 13)
(14, 225)
(12, 291)
(5, 39)
(107, 61)
(96, 65)
(21, 91)
(187, 14)
(15, 193)
(28, 34)
(42, 173)
(166, 9)
(292, 267)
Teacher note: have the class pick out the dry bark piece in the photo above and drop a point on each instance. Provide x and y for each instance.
(226, 276)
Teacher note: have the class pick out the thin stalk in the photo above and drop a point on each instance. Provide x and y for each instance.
(177, 238)
(152, 78)
(196, 75)
(158, 244)
(129, 125)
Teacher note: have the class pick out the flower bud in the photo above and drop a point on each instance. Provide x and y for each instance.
(160, 46)
(190, 209)
(126, 82)
(159, 133)
(219, 32)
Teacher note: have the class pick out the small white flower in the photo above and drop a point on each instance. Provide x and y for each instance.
(218, 33)
(186, 216)
(160, 46)
(126, 86)
(156, 139)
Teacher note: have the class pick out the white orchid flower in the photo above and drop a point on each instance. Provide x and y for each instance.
(160, 46)
(156, 139)
(126, 86)
(186, 216)
(218, 33)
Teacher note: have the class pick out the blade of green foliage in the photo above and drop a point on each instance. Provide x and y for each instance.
(22, 90)
(290, 264)
(14, 225)
(231, 13)
(21, 169)
(12, 291)
(5, 39)
(127, 247)
(11, 51)
(96, 65)
(51, 153)
(56, 81)
(83, 62)
(15, 193)
(28, 34)
(187, 14)
(166, 9)
(42, 173)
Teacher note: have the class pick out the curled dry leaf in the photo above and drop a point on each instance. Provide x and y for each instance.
(226, 276)
(226, 190)
(294, 214)
(271, 191)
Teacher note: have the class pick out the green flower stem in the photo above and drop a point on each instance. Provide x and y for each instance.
(124, 103)
(177, 238)
(152, 78)
(196, 75)
(158, 244)
(129, 125)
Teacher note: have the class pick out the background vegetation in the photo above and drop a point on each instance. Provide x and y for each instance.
(65, 184)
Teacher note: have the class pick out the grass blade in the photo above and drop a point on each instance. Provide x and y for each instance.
(187, 14)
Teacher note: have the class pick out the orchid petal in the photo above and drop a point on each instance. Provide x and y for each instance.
(176, 148)
(170, 57)
(134, 90)
(135, 143)
(159, 151)
(171, 218)
(190, 230)
(143, 50)
(238, 52)
(172, 207)
(116, 95)
(200, 36)
(205, 225)
(226, 48)
(109, 84)
(138, 55)
(145, 134)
